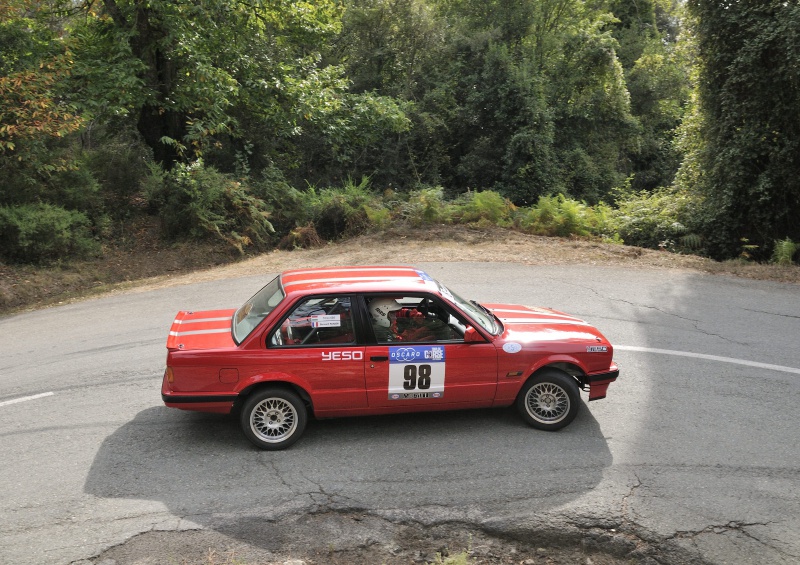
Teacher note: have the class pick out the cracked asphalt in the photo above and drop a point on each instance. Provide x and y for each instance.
(688, 459)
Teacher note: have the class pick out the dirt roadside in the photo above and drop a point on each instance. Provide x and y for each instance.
(143, 262)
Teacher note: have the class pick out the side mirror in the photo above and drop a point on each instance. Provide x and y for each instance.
(471, 335)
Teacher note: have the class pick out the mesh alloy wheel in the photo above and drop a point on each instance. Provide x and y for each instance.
(273, 418)
(549, 400)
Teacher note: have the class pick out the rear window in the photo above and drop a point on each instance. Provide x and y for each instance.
(252, 312)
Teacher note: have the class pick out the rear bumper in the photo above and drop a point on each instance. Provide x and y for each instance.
(201, 403)
(193, 399)
(211, 402)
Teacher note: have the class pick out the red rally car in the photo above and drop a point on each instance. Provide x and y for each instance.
(347, 341)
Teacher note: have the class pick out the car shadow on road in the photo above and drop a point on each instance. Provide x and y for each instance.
(203, 469)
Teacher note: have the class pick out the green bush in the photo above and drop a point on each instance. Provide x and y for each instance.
(71, 186)
(343, 212)
(119, 168)
(425, 206)
(655, 220)
(562, 217)
(41, 233)
(483, 208)
(288, 205)
(198, 202)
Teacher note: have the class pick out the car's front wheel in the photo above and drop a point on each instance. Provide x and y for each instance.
(549, 400)
(273, 418)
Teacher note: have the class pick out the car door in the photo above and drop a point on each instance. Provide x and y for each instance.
(316, 344)
(429, 369)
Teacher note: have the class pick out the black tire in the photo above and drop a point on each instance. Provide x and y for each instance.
(273, 418)
(549, 400)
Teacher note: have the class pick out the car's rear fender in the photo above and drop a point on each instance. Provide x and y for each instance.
(277, 380)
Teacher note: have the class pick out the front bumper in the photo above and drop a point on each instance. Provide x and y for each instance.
(598, 382)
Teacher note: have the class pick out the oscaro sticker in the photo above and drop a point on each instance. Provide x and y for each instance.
(512, 347)
(596, 349)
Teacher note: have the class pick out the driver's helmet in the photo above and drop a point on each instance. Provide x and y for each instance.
(380, 308)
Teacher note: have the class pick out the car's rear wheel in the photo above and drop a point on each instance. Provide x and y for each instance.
(549, 400)
(273, 418)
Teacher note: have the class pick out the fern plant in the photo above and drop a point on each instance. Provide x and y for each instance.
(784, 251)
(487, 208)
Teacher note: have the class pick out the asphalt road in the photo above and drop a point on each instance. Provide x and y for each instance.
(694, 451)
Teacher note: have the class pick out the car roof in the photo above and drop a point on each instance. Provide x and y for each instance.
(358, 279)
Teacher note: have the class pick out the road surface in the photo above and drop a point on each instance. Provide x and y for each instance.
(692, 457)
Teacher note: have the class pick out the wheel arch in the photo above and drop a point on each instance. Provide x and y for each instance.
(273, 382)
(570, 367)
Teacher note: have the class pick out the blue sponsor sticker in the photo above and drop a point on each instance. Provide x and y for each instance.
(416, 354)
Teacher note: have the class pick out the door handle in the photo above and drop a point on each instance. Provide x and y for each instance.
(379, 358)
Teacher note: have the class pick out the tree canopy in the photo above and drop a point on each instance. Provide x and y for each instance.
(105, 103)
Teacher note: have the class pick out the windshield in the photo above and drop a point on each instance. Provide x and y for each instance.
(256, 309)
(475, 311)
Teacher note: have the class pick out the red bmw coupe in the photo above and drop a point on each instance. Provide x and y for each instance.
(348, 341)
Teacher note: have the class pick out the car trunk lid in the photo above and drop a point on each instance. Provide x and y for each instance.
(209, 329)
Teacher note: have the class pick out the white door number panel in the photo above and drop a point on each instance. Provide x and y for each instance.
(416, 371)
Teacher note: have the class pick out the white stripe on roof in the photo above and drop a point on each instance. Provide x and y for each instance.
(356, 269)
(345, 279)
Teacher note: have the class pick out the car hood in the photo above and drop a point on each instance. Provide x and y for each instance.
(527, 323)
(209, 329)
(516, 315)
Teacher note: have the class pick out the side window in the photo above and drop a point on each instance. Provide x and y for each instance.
(412, 319)
(318, 320)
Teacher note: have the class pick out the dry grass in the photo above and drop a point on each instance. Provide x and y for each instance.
(145, 263)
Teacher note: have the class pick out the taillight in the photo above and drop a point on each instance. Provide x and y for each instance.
(169, 375)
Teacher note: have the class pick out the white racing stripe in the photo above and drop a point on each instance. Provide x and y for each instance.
(709, 357)
(25, 398)
(339, 280)
(200, 332)
(530, 311)
(399, 269)
(513, 321)
(203, 320)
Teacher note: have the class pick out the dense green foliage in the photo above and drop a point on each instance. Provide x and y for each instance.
(199, 202)
(745, 143)
(249, 121)
(39, 233)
